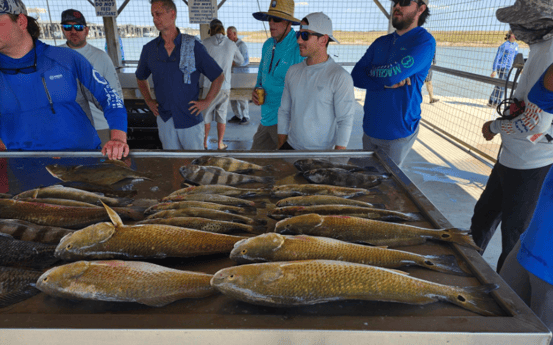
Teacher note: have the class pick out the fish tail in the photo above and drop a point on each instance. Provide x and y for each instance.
(444, 263)
(268, 180)
(21, 294)
(476, 299)
(458, 236)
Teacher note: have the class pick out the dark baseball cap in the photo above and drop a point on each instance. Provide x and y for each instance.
(72, 15)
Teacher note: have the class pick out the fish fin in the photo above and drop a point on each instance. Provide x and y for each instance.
(35, 193)
(459, 236)
(243, 171)
(391, 218)
(129, 213)
(476, 299)
(415, 217)
(444, 263)
(116, 220)
(21, 294)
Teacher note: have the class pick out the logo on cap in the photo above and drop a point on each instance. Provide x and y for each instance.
(274, 3)
(77, 14)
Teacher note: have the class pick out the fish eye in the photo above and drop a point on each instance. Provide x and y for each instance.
(288, 226)
(231, 277)
(244, 251)
(69, 246)
(45, 279)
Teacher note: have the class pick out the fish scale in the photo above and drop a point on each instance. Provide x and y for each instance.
(276, 247)
(25, 253)
(122, 281)
(279, 284)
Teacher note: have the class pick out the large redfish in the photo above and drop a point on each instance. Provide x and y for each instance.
(280, 284)
(122, 281)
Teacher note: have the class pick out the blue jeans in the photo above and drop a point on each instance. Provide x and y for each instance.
(497, 93)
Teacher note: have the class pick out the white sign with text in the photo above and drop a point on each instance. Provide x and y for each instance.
(202, 11)
(105, 8)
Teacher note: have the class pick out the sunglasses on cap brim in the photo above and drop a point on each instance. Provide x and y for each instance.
(404, 3)
(305, 35)
(78, 27)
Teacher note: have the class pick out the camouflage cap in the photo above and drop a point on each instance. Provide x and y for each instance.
(12, 7)
(530, 20)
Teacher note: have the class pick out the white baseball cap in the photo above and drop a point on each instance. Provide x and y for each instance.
(319, 23)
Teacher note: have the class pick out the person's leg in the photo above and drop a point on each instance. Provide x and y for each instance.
(235, 110)
(503, 76)
(244, 110)
(207, 129)
(263, 139)
(368, 144)
(399, 148)
(515, 275)
(220, 115)
(520, 196)
(220, 134)
(191, 138)
(167, 134)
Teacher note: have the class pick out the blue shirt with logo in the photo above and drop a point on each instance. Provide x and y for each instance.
(38, 110)
(172, 93)
(505, 56)
(394, 113)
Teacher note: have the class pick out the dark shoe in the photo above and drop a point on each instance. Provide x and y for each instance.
(491, 105)
(434, 100)
(244, 121)
(234, 120)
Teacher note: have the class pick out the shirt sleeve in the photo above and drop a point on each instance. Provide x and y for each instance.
(108, 71)
(360, 77)
(284, 111)
(344, 108)
(537, 116)
(112, 104)
(244, 51)
(238, 57)
(498, 56)
(205, 63)
(143, 70)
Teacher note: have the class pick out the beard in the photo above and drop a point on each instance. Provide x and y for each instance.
(404, 22)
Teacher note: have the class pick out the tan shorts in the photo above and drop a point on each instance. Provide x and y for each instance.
(217, 110)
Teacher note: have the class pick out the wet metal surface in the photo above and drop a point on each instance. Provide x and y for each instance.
(221, 312)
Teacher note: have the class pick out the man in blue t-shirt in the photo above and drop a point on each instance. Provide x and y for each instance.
(393, 71)
(175, 62)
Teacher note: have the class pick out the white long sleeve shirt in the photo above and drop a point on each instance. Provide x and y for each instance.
(317, 106)
(101, 62)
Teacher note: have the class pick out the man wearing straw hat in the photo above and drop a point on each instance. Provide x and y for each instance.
(279, 53)
(318, 102)
(393, 71)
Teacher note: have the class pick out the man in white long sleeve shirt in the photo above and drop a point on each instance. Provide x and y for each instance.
(240, 107)
(317, 106)
(75, 30)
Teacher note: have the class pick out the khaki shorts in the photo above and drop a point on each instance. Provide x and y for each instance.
(218, 108)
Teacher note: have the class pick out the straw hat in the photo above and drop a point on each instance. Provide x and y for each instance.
(283, 9)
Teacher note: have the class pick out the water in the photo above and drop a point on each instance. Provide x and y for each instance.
(477, 60)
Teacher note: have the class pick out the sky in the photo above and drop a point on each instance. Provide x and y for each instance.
(347, 15)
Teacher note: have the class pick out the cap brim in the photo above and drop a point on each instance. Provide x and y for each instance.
(264, 17)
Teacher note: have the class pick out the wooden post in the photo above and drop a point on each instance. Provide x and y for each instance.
(204, 28)
(112, 39)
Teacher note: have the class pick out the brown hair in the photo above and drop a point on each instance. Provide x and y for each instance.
(32, 26)
(509, 33)
(217, 29)
(167, 4)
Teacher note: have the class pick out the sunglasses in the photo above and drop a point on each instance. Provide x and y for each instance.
(275, 19)
(23, 70)
(403, 3)
(305, 35)
(78, 27)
